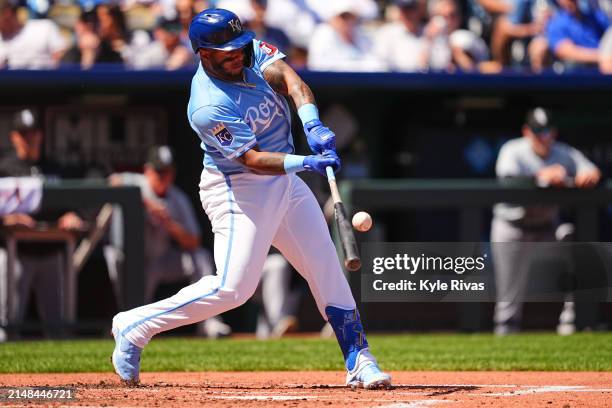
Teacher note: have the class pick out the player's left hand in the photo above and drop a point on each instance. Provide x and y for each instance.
(588, 178)
(320, 138)
(320, 162)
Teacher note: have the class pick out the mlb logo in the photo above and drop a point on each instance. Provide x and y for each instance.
(223, 135)
(269, 49)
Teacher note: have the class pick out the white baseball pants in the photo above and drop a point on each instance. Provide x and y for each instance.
(249, 213)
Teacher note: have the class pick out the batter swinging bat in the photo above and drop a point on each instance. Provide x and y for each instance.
(352, 261)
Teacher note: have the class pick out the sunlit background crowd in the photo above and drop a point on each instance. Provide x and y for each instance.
(338, 35)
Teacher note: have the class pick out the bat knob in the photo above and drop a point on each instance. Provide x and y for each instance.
(352, 264)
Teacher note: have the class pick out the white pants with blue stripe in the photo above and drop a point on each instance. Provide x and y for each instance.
(249, 213)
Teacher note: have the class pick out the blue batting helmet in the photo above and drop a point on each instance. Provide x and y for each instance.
(218, 29)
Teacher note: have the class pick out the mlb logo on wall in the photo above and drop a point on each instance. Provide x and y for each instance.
(223, 135)
(267, 48)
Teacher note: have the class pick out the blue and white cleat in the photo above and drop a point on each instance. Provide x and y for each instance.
(126, 359)
(366, 373)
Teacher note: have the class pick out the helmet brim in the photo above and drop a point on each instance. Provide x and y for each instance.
(244, 39)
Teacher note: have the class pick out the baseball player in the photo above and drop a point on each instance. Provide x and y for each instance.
(253, 197)
(539, 157)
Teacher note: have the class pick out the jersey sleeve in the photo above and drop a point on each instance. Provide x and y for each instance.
(222, 129)
(580, 160)
(265, 54)
(185, 214)
(507, 163)
(57, 42)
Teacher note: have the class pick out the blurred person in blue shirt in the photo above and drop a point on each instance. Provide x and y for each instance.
(526, 23)
(574, 33)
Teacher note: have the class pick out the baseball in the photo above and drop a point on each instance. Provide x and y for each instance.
(362, 221)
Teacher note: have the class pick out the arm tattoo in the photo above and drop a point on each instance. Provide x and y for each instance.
(275, 77)
(284, 80)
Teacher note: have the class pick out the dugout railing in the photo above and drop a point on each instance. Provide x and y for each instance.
(471, 198)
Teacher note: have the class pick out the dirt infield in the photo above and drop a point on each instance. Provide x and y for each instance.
(318, 389)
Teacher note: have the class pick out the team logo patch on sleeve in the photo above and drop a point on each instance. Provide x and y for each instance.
(269, 49)
(223, 135)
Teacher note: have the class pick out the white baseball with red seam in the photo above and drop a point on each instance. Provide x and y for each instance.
(362, 221)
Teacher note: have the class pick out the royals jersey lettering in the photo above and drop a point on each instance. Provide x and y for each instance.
(232, 117)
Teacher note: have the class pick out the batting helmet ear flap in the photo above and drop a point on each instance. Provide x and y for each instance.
(248, 55)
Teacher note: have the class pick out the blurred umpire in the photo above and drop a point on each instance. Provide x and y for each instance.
(539, 157)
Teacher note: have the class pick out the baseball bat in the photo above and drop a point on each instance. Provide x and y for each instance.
(352, 261)
(88, 244)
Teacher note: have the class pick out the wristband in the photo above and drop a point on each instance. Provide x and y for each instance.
(293, 163)
(308, 112)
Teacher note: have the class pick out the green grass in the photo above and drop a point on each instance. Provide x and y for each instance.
(448, 352)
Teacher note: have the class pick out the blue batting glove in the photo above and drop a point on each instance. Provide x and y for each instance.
(319, 137)
(318, 163)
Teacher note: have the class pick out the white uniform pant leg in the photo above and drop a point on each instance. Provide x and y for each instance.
(48, 278)
(513, 255)
(165, 268)
(303, 238)
(203, 263)
(198, 264)
(44, 274)
(244, 211)
(275, 288)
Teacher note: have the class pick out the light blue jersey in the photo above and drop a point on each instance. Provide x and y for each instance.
(232, 117)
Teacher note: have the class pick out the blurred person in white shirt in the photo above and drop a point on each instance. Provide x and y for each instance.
(401, 44)
(605, 53)
(407, 45)
(35, 44)
(448, 44)
(340, 44)
(166, 51)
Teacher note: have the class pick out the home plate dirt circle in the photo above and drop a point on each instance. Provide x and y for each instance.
(320, 389)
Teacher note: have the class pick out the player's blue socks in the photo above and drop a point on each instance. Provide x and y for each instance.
(349, 332)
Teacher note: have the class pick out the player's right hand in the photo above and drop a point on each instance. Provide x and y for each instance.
(319, 137)
(319, 162)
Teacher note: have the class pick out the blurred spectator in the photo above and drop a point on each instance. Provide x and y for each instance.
(535, 156)
(340, 44)
(444, 38)
(605, 53)
(574, 34)
(271, 35)
(365, 9)
(113, 35)
(296, 18)
(36, 44)
(172, 233)
(185, 10)
(484, 14)
(101, 37)
(525, 22)
(401, 45)
(85, 48)
(166, 51)
(40, 265)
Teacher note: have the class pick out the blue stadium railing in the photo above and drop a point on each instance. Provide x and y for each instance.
(116, 76)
